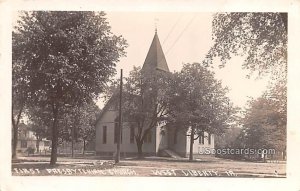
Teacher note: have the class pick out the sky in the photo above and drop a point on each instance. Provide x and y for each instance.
(185, 37)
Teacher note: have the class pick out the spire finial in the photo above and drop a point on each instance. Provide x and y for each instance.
(155, 22)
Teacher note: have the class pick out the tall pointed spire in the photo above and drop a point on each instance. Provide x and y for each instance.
(155, 59)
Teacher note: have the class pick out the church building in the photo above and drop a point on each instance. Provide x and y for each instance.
(161, 140)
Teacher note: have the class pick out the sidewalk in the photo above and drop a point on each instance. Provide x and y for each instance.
(59, 159)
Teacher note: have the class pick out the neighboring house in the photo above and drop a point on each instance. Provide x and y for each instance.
(160, 138)
(27, 140)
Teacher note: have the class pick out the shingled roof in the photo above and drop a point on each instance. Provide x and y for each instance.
(155, 59)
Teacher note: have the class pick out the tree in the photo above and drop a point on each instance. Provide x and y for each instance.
(228, 138)
(144, 103)
(20, 96)
(18, 108)
(265, 120)
(79, 124)
(260, 37)
(67, 58)
(197, 103)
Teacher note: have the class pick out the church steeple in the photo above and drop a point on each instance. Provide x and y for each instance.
(155, 59)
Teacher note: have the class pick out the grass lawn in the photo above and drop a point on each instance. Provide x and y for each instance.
(150, 166)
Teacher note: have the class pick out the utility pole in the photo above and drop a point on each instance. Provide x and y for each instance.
(117, 159)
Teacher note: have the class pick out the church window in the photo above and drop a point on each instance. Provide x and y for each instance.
(148, 137)
(175, 137)
(116, 131)
(104, 134)
(201, 138)
(131, 134)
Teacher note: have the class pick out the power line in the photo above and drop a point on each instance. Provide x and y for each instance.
(173, 27)
(190, 22)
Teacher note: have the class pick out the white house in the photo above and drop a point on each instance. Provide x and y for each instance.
(160, 138)
(28, 141)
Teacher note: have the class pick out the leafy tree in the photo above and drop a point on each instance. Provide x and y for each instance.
(20, 97)
(265, 121)
(64, 58)
(79, 124)
(145, 102)
(197, 103)
(18, 108)
(87, 130)
(260, 37)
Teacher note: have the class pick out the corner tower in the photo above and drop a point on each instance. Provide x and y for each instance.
(155, 66)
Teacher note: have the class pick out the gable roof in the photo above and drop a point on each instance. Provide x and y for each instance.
(105, 108)
(155, 59)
